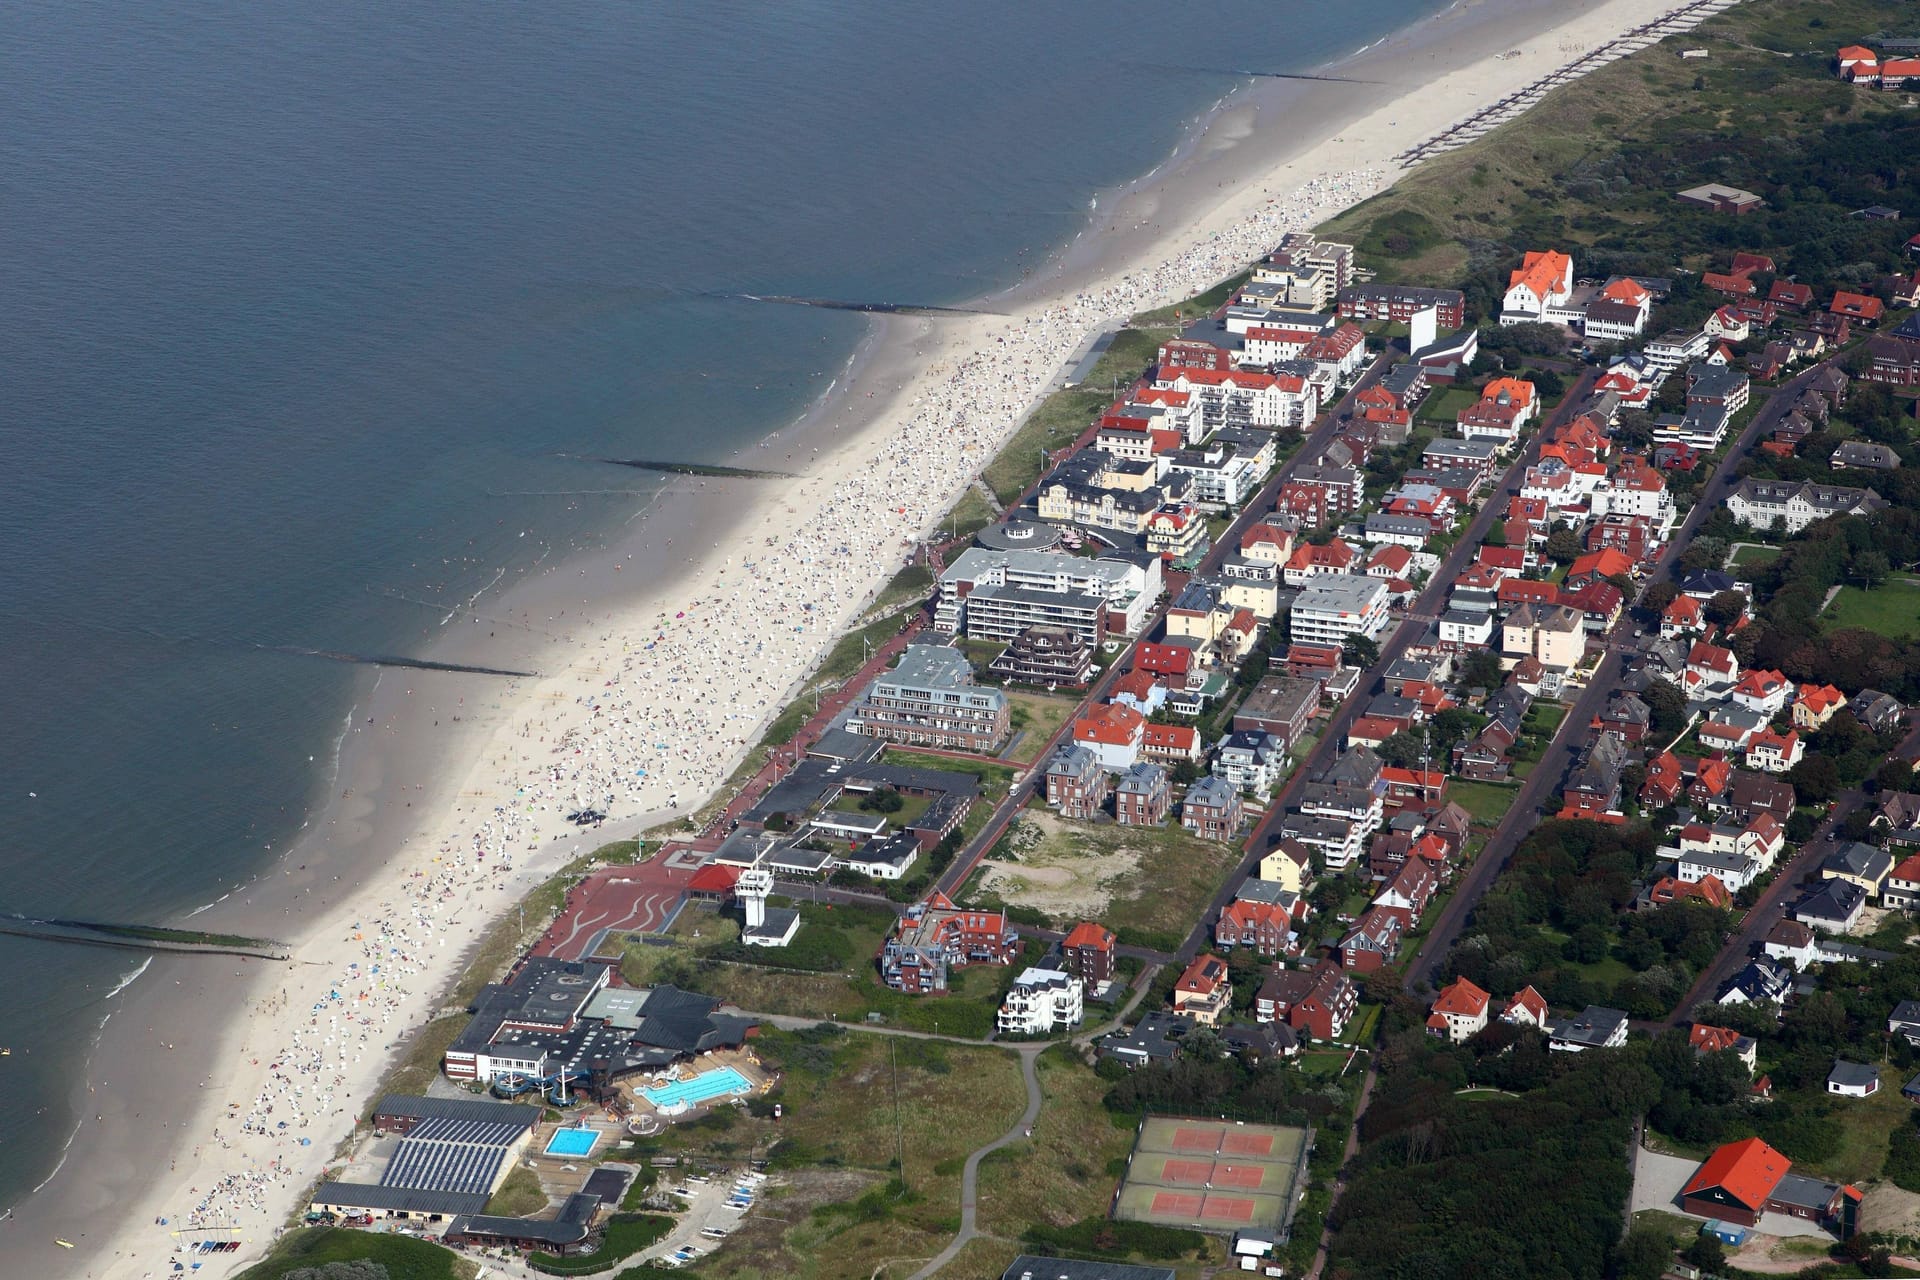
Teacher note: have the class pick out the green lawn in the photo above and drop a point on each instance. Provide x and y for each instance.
(1486, 801)
(1038, 716)
(851, 1104)
(403, 1257)
(1445, 406)
(1753, 555)
(1892, 609)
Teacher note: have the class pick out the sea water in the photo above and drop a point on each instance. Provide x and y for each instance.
(313, 318)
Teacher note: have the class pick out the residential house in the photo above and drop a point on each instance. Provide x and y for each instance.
(1595, 1027)
(1791, 506)
(1859, 863)
(1266, 928)
(1853, 1079)
(1815, 704)
(1288, 864)
(1250, 761)
(1459, 1012)
(1706, 1039)
(1538, 289)
(1834, 907)
(1204, 992)
(1040, 1002)
(1087, 953)
(1212, 809)
(1775, 752)
(1593, 785)
(1374, 941)
(1528, 1008)
(1076, 784)
(930, 699)
(1762, 690)
(934, 936)
(1317, 1002)
(1143, 796)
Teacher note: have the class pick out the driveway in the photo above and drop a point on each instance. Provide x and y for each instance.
(1657, 1180)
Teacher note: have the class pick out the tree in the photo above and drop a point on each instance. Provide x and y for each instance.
(1707, 1253)
(1659, 596)
(1816, 780)
(1359, 651)
(1643, 1255)
(1481, 670)
(1496, 536)
(1872, 568)
(1668, 705)
(1563, 546)
(1726, 608)
(1402, 750)
(1894, 775)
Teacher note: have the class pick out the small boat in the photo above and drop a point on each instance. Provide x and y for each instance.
(64, 1244)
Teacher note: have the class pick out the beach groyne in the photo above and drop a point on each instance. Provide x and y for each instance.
(136, 937)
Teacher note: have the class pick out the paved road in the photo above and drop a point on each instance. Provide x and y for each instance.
(1773, 904)
(1552, 767)
(1413, 625)
(1255, 509)
(1519, 820)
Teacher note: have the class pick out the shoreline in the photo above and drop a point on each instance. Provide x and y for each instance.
(900, 364)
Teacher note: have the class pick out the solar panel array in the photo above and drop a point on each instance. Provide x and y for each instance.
(451, 1155)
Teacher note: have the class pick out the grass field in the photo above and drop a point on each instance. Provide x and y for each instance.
(847, 988)
(1061, 1177)
(403, 1257)
(1864, 1125)
(1486, 801)
(1892, 609)
(835, 1208)
(1445, 406)
(1552, 175)
(1147, 884)
(1038, 716)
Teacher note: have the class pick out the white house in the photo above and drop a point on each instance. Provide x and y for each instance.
(1040, 1001)
(1537, 289)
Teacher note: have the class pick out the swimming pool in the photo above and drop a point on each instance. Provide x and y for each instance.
(573, 1142)
(705, 1086)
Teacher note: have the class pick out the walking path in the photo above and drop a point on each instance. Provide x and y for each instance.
(970, 1176)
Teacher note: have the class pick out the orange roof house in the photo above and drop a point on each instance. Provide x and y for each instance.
(1856, 306)
(1736, 1182)
(1542, 273)
(1528, 1007)
(1459, 1011)
(1607, 562)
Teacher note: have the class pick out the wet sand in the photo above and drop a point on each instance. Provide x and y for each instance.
(434, 827)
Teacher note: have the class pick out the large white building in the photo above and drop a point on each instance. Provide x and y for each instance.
(1792, 506)
(1240, 398)
(1538, 291)
(1040, 1001)
(1333, 606)
(995, 595)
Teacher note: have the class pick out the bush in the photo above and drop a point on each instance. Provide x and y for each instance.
(1104, 1239)
(624, 1235)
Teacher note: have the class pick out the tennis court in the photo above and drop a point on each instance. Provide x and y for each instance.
(1211, 1175)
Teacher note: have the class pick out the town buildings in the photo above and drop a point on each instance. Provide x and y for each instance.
(930, 699)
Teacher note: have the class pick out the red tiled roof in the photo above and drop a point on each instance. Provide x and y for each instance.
(713, 878)
(1748, 1170)
(1089, 934)
(1462, 998)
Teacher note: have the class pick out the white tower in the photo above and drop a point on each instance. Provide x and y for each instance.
(752, 888)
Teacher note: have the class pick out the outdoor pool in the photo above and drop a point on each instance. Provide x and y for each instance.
(573, 1142)
(703, 1087)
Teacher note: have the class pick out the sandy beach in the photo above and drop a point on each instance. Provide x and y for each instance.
(220, 1089)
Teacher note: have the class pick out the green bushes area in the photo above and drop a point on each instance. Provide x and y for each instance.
(624, 1235)
(400, 1257)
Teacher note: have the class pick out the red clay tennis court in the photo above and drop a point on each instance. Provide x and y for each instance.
(1211, 1175)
